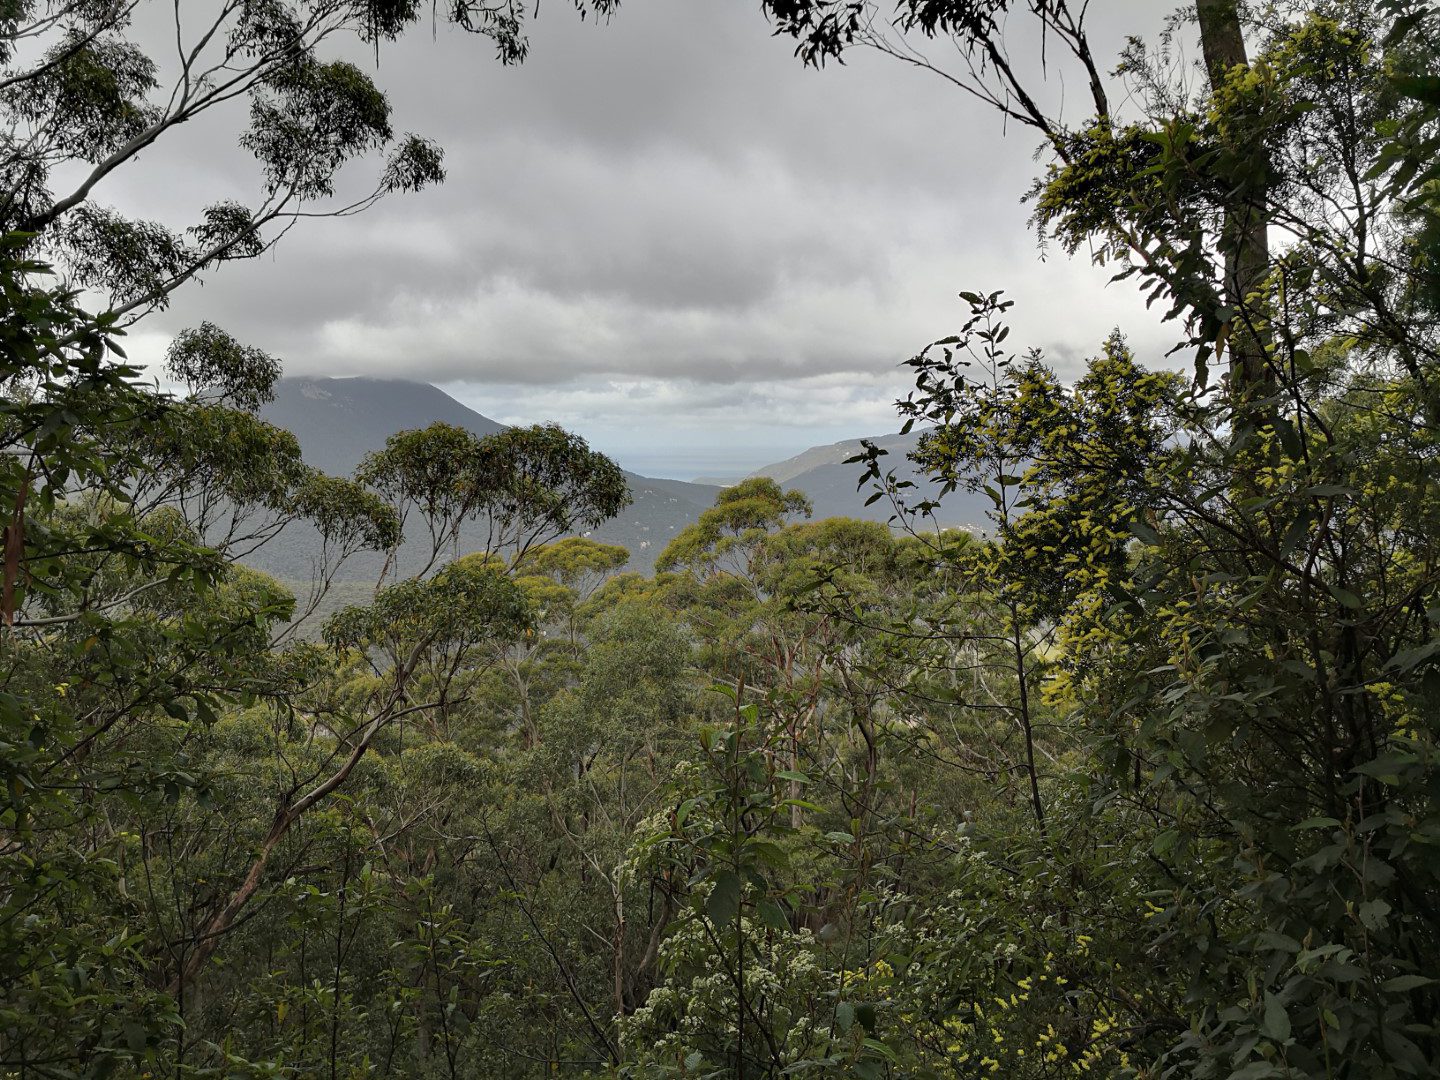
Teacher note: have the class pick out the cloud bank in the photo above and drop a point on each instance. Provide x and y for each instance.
(662, 231)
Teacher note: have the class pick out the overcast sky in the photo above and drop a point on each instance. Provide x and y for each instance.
(662, 232)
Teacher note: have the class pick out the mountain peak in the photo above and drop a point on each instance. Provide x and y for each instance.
(340, 420)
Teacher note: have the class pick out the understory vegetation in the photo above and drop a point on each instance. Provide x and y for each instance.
(1138, 778)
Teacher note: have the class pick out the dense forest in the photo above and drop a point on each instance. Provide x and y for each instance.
(1137, 780)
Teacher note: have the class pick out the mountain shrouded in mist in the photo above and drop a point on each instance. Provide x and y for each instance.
(339, 421)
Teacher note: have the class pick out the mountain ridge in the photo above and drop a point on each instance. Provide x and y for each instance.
(835, 488)
(338, 420)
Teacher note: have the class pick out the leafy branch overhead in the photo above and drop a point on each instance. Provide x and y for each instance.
(84, 94)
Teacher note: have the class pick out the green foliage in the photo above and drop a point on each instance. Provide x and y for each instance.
(741, 515)
(576, 561)
(528, 485)
(143, 686)
(738, 998)
(86, 94)
(460, 603)
(213, 365)
(1136, 779)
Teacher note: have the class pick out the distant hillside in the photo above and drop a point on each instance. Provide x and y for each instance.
(339, 421)
(822, 474)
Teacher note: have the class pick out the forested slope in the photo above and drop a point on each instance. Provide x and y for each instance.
(1139, 781)
(339, 421)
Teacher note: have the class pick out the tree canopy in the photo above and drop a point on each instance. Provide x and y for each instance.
(1135, 778)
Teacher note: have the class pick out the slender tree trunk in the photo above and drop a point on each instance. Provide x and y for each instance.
(339, 969)
(617, 893)
(1027, 724)
(1245, 240)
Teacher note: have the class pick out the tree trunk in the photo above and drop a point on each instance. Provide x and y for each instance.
(219, 924)
(1245, 240)
(617, 895)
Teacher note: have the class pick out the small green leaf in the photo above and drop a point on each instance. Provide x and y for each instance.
(866, 1015)
(684, 812)
(1373, 912)
(134, 1035)
(724, 901)
(1346, 597)
(1404, 983)
(1410, 658)
(1276, 1024)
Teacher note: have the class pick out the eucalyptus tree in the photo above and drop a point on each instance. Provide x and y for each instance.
(730, 534)
(1277, 174)
(580, 566)
(517, 489)
(131, 632)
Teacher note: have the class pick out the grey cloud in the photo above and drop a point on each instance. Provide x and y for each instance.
(667, 197)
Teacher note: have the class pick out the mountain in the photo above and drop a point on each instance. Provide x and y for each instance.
(831, 484)
(339, 421)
